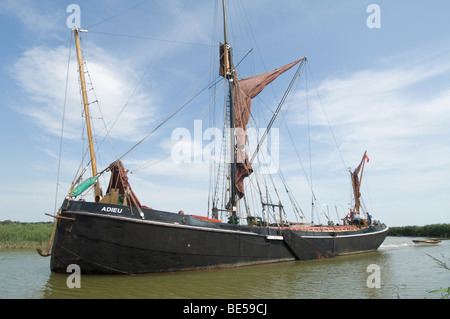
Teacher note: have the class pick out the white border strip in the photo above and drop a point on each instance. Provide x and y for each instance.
(344, 236)
(201, 228)
(143, 221)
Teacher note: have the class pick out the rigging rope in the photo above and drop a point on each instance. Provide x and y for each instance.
(328, 121)
(116, 15)
(176, 110)
(149, 163)
(134, 92)
(100, 110)
(63, 121)
(150, 38)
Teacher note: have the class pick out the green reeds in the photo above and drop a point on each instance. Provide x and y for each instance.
(433, 230)
(16, 235)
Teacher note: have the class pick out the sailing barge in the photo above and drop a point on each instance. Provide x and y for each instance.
(116, 234)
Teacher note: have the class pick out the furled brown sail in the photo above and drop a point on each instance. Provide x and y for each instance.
(245, 91)
(356, 181)
(119, 186)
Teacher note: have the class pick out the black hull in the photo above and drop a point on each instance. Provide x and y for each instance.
(113, 239)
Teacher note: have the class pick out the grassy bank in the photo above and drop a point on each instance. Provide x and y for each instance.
(433, 230)
(16, 235)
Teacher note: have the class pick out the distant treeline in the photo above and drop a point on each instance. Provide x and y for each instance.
(433, 230)
(17, 235)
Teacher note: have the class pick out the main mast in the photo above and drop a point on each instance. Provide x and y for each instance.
(229, 73)
(98, 192)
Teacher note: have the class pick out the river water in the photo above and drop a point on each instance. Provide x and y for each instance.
(399, 269)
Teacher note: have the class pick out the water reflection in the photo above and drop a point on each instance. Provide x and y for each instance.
(406, 272)
(328, 278)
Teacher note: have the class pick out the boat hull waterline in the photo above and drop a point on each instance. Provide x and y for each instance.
(113, 239)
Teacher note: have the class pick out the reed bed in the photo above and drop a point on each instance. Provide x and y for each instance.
(433, 230)
(17, 235)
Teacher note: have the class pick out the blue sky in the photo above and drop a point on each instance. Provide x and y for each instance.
(385, 90)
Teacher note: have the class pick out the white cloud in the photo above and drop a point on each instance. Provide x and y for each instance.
(400, 116)
(31, 17)
(383, 110)
(41, 75)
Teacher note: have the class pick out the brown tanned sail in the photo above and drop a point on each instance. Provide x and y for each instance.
(356, 181)
(119, 188)
(245, 91)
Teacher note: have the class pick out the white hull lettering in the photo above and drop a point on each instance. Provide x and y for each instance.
(112, 210)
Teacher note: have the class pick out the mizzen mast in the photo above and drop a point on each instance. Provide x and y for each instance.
(97, 190)
(356, 181)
